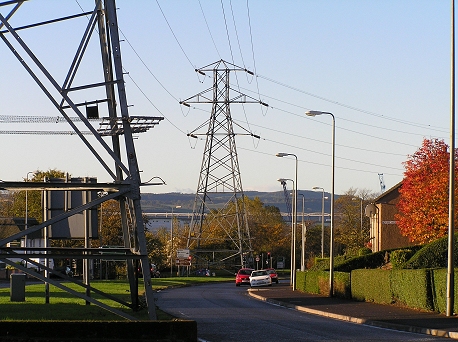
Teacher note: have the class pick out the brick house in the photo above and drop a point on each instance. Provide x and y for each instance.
(384, 232)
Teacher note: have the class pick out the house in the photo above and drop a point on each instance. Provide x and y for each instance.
(384, 231)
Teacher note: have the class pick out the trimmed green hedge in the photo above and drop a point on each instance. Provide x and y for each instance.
(371, 286)
(318, 282)
(342, 284)
(412, 288)
(423, 289)
(300, 280)
(439, 290)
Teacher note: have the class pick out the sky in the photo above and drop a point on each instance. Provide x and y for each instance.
(382, 67)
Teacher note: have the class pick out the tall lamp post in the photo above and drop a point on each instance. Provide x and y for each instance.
(331, 247)
(361, 212)
(293, 237)
(303, 235)
(295, 215)
(171, 240)
(322, 220)
(451, 186)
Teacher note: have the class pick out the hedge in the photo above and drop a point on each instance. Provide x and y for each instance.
(433, 255)
(412, 288)
(439, 290)
(371, 286)
(318, 282)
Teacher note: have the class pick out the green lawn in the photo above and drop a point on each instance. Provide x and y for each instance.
(66, 307)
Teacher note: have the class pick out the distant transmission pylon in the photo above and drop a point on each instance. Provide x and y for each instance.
(225, 228)
(382, 182)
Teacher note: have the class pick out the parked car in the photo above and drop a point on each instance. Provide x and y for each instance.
(260, 278)
(273, 275)
(243, 276)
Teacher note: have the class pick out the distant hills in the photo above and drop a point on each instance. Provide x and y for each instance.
(162, 203)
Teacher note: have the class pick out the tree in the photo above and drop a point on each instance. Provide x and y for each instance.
(268, 231)
(423, 200)
(14, 205)
(349, 233)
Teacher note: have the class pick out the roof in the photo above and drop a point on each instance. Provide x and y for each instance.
(388, 192)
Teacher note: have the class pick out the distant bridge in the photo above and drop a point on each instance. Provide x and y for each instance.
(163, 220)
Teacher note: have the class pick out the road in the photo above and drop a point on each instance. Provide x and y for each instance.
(224, 312)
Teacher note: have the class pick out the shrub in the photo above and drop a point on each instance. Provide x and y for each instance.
(300, 280)
(364, 251)
(371, 286)
(373, 260)
(322, 264)
(316, 282)
(433, 255)
(342, 285)
(399, 257)
(439, 290)
(412, 288)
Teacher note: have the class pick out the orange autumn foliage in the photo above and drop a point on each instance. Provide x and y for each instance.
(423, 201)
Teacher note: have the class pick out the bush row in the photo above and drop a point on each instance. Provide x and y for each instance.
(318, 282)
(415, 288)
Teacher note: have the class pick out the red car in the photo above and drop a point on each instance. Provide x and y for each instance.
(243, 276)
(273, 274)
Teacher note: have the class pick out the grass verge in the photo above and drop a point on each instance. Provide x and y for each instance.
(63, 306)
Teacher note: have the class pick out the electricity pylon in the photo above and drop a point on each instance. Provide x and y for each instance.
(125, 187)
(225, 228)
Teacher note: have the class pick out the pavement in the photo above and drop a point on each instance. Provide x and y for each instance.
(379, 315)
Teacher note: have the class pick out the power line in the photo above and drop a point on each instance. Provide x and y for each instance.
(237, 35)
(320, 164)
(325, 142)
(173, 33)
(252, 52)
(208, 28)
(347, 106)
(340, 119)
(323, 154)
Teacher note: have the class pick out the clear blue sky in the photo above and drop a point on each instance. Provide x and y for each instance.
(381, 66)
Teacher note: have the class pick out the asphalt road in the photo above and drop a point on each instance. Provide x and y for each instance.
(224, 312)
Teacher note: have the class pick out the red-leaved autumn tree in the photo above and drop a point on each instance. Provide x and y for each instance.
(423, 200)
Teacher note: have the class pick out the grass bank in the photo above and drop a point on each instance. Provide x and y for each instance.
(63, 306)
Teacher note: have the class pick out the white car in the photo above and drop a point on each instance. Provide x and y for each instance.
(260, 278)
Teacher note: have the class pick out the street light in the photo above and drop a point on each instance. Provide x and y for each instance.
(303, 235)
(171, 240)
(331, 247)
(322, 220)
(293, 238)
(361, 215)
(281, 154)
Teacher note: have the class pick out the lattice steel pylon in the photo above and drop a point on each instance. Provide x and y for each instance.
(215, 228)
(125, 174)
(287, 199)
